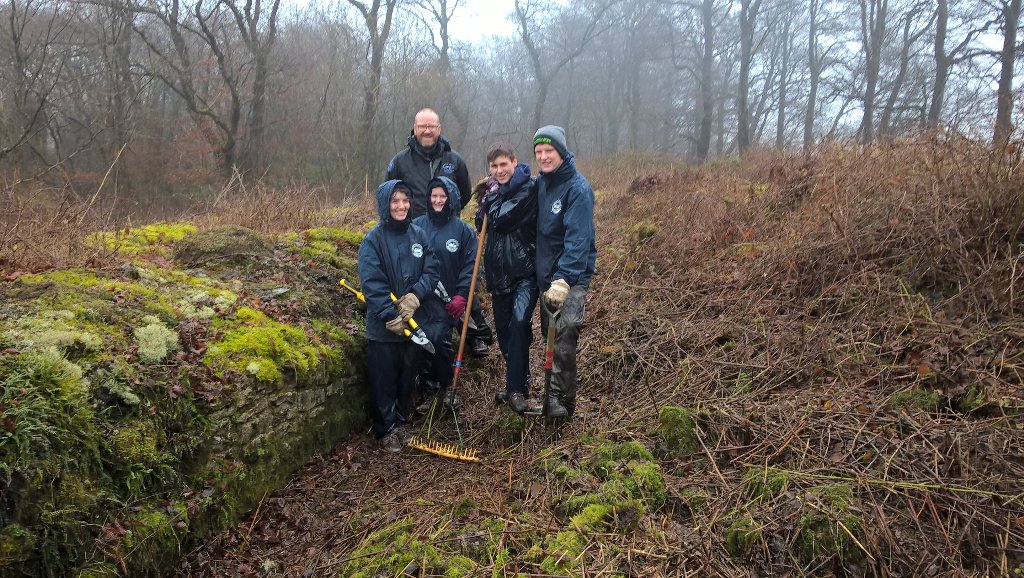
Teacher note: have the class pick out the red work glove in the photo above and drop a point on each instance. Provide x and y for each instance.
(456, 307)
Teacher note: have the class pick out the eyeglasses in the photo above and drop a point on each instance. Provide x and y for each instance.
(428, 126)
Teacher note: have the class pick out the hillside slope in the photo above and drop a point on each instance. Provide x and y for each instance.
(805, 365)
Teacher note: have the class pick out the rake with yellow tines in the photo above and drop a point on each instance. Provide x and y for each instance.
(426, 444)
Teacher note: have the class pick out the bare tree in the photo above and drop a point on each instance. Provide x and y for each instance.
(874, 16)
(946, 59)
(908, 47)
(748, 23)
(1010, 12)
(36, 60)
(580, 23)
(377, 16)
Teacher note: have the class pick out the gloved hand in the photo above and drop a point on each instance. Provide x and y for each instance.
(396, 326)
(480, 188)
(456, 307)
(490, 194)
(408, 305)
(556, 294)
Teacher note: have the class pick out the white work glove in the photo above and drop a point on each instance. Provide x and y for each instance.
(556, 294)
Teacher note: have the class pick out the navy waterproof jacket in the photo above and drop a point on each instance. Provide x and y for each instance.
(511, 233)
(416, 167)
(395, 257)
(565, 227)
(452, 241)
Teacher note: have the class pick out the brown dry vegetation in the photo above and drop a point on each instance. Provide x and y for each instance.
(845, 327)
(801, 303)
(43, 229)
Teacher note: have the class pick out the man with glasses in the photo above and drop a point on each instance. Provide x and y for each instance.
(427, 156)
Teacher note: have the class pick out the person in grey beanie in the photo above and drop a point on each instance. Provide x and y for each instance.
(566, 258)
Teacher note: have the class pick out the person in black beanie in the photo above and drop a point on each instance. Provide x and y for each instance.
(566, 258)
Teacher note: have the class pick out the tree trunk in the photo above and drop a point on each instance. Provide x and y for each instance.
(873, 22)
(814, 70)
(702, 147)
(748, 17)
(1004, 104)
(941, 64)
(780, 121)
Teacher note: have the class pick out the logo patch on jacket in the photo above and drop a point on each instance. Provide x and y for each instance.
(417, 250)
(452, 245)
(448, 168)
(556, 207)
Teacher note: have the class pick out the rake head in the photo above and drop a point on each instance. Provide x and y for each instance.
(444, 449)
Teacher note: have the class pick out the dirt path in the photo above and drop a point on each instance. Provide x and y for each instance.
(311, 526)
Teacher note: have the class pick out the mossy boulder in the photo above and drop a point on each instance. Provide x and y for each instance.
(144, 406)
(742, 535)
(830, 527)
(231, 244)
(678, 428)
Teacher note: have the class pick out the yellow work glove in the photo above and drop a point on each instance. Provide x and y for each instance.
(556, 294)
(396, 326)
(407, 305)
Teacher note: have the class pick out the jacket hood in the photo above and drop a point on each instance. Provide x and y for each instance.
(564, 171)
(443, 145)
(384, 192)
(450, 206)
(519, 176)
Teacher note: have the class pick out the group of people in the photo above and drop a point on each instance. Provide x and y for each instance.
(416, 267)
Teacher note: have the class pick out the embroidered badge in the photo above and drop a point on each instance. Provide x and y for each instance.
(417, 250)
(448, 168)
(556, 207)
(452, 245)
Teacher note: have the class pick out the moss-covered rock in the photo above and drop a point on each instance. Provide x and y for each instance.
(678, 427)
(109, 405)
(829, 528)
(230, 244)
(264, 348)
(742, 535)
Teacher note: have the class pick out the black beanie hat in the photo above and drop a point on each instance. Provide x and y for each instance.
(554, 136)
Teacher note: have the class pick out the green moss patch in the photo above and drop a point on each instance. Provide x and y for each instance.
(150, 239)
(678, 427)
(392, 549)
(613, 489)
(325, 245)
(922, 399)
(829, 528)
(742, 535)
(263, 348)
(765, 483)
